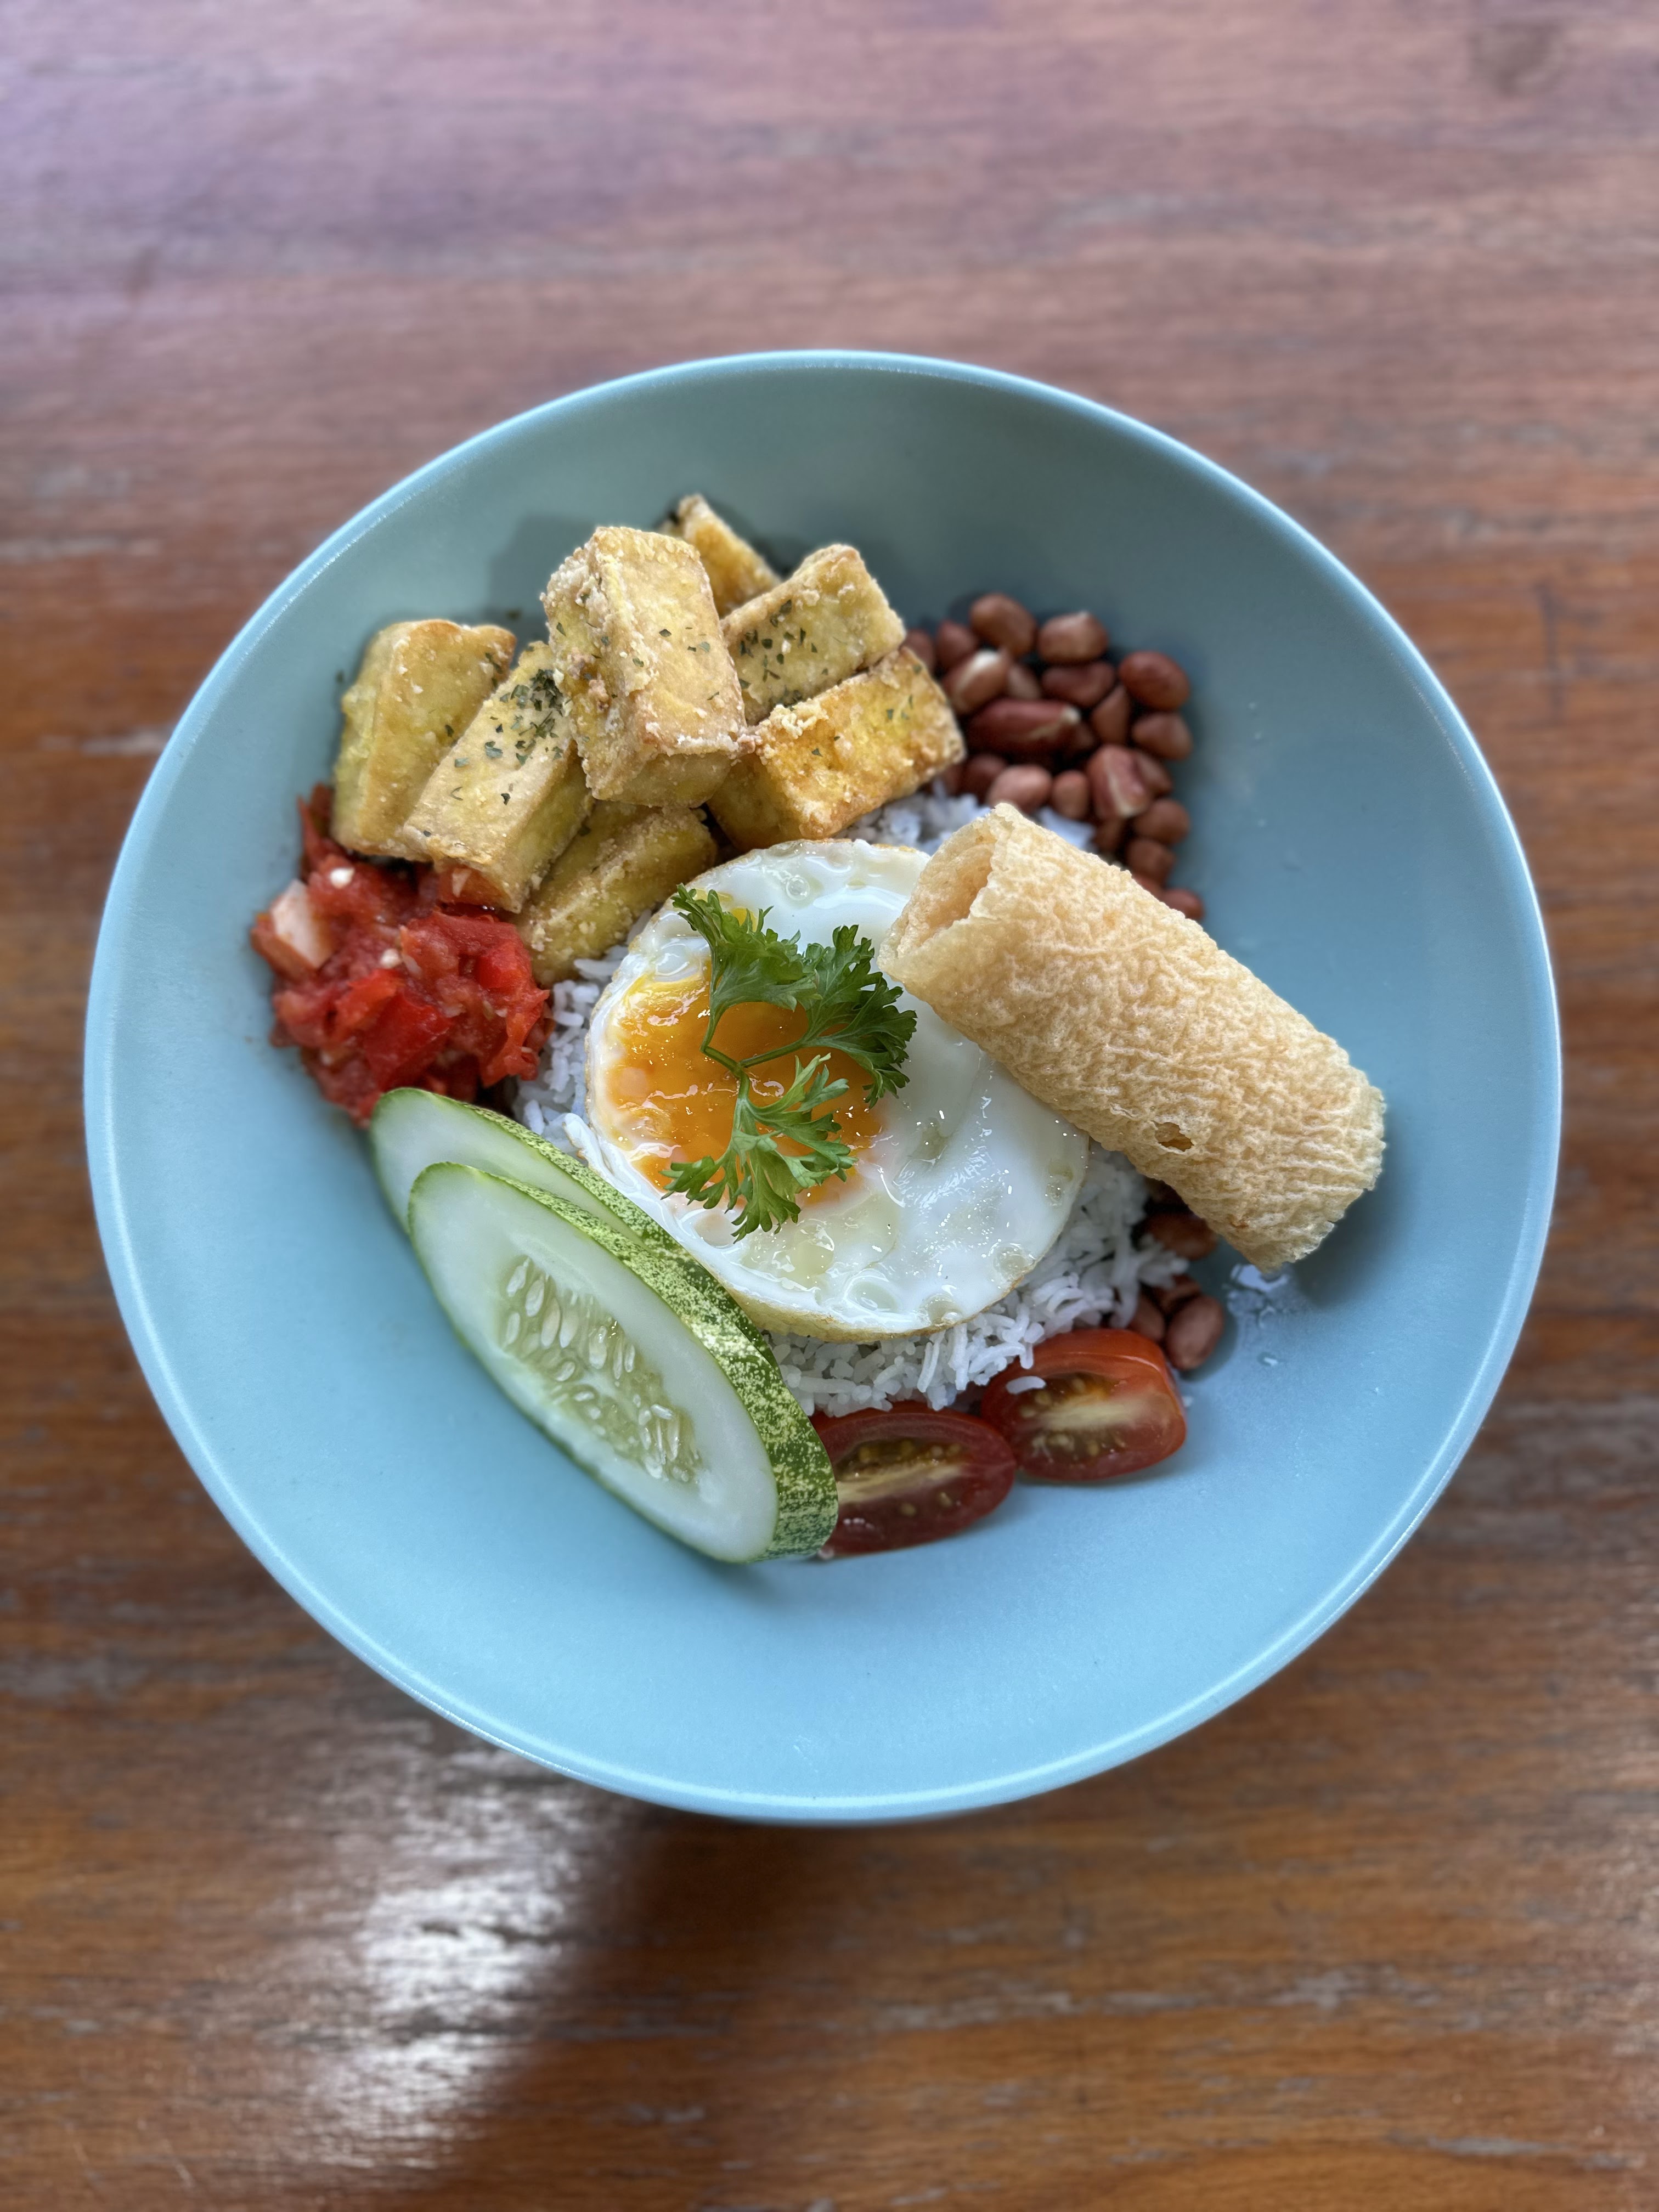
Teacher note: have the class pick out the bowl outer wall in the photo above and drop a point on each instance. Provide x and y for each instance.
(1352, 848)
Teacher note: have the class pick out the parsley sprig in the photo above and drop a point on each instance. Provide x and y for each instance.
(849, 1007)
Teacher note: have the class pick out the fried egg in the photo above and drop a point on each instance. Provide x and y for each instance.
(960, 1181)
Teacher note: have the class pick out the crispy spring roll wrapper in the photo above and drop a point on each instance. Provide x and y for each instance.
(1133, 1022)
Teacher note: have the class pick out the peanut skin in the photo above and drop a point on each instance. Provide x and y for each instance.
(1145, 856)
(974, 683)
(1085, 683)
(1023, 729)
(1153, 773)
(1111, 720)
(1116, 779)
(1193, 1333)
(953, 642)
(1069, 796)
(1073, 638)
(981, 771)
(1003, 622)
(1074, 732)
(1156, 680)
(1026, 786)
(1166, 735)
(1182, 1233)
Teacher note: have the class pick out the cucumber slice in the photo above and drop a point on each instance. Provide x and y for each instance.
(411, 1130)
(648, 1375)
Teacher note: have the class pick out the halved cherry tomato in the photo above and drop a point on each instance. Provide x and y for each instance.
(1096, 1403)
(910, 1476)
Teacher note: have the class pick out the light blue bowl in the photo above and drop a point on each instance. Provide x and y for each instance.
(1352, 848)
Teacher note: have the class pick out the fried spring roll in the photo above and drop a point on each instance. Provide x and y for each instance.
(1133, 1022)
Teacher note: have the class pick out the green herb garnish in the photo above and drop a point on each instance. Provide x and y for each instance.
(849, 1007)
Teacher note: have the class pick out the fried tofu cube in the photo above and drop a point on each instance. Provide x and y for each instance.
(638, 655)
(821, 764)
(817, 627)
(419, 685)
(509, 795)
(735, 571)
(623, 862)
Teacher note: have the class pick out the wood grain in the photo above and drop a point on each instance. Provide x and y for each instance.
(270, 1935)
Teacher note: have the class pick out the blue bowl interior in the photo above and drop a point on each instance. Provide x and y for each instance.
(1352, 849)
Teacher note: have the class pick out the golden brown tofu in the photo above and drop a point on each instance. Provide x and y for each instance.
(820, 765)
(419, 685)
(623, 863)
(509, 795)
(735, 571)
(638, 655)
(819, 626)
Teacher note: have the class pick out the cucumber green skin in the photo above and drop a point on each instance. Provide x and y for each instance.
(807, 1503)
(451, 1120)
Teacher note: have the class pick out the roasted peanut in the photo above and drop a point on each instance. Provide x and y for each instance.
(1167, 820)
(1146, 1320)
(1166, 735)
(1145, 856)
(1115, 782)
(954, 777)
(1022, 682)
(981, 771)
(1153, 773)
(953, 642)
(1193, 1333)
(1023, 729)
(1026, 786)
(1182, 1233)
(1084, 684)
(1150, 885)
(1155, 680)
(1108, 833)
(1069, 796)
(1169, 1296)
(1184, 901)
(976, 681)
(1071, 638)
(1111, 720)
(1002, 621)
(921, 642)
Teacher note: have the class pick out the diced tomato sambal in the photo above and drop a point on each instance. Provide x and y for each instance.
(381, 984)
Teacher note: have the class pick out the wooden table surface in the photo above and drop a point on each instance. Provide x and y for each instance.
(1385, 1934)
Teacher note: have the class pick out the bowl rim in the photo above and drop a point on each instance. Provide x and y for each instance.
(111, 1214)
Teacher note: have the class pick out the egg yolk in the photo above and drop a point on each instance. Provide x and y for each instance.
(672, 1102)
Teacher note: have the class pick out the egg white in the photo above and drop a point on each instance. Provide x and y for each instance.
(965, 1186)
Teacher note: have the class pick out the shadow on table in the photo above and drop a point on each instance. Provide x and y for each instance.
(639, 2054)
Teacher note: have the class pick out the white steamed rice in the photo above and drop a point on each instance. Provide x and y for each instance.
(1092, 1274)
